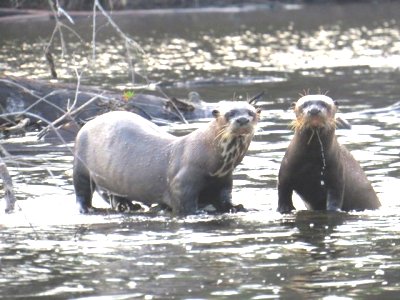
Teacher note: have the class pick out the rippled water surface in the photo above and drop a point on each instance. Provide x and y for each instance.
(49, 251)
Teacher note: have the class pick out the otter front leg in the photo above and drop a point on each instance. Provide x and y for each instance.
(334, 201)
(285, 202)
(223, 203)
(335, 191)
(184, 193)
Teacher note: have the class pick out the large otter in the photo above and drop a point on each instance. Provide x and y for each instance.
(323, 172)
(132, 158)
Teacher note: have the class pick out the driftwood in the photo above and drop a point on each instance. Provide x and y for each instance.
(68, 106)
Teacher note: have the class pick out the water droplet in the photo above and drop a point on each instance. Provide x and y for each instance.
(359, 265)
(379, 272)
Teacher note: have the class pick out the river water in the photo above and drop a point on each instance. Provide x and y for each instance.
(352, 51)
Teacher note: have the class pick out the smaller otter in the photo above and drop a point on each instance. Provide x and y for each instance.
(322, 172)
(130, 158)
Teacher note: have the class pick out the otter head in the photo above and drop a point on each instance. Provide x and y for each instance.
(235, 124)
(314, 112)
(236, 118)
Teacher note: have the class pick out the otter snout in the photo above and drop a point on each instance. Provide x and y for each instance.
(314, 111)
(242, 121)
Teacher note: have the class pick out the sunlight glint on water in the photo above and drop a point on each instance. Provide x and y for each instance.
(48, 250)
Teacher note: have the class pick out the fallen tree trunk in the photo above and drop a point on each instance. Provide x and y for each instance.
(68, 106)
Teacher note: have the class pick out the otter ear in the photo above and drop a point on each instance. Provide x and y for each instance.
(215, 113)
(293, 105)
(258, 110)
(336, 103)
(253, 101)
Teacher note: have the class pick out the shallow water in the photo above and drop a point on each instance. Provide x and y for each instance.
(49, 251)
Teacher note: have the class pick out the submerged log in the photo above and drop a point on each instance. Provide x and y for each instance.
(27, 105)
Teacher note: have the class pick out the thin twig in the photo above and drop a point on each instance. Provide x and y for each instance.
(68, 114)
(173, 105)
(57, 28)
(94, 34)
(29, 114)
(119, 31)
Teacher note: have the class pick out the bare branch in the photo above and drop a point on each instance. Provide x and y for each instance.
(120, 32)
(94, 34)
(58, 28)
(8, 187)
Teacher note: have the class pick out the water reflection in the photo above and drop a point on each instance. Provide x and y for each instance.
(49, 251)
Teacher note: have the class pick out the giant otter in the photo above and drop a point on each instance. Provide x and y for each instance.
(131, 158)
(321, 171)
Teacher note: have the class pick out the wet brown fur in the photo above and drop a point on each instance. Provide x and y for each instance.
(323, 172)
(131, 158)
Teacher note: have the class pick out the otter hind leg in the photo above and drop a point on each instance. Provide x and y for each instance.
(84, 188)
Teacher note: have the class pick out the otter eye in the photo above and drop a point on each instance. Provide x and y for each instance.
(251, 113)
(231, 113)
(322, 104)
(319, 103)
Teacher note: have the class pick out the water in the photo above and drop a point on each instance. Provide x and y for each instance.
(49, 251)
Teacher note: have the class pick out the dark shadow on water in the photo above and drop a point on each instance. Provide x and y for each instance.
(316, 227)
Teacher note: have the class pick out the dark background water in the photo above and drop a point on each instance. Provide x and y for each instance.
(49, 251)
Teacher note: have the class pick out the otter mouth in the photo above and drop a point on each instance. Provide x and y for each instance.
(242, 130)
(315, 122)
(311, 122)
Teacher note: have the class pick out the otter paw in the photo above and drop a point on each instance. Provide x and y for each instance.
(334, 209)
(123, 206)
(285, 209)
(126, 206)
(238, 208)
(87, 209)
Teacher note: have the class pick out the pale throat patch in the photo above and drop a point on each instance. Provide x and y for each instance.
(233, 148)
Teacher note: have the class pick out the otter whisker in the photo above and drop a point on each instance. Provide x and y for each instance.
(220, 132)
(297, 125)
(305, 92)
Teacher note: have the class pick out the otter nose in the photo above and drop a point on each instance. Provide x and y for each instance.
(242, 120)
(314, 111)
